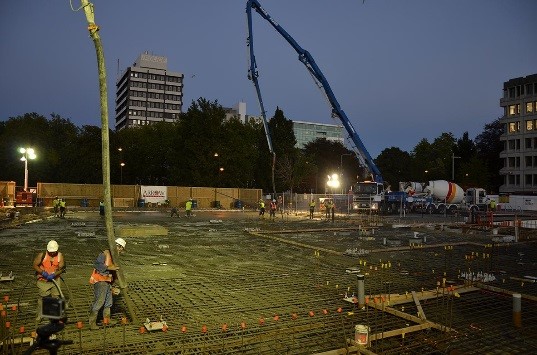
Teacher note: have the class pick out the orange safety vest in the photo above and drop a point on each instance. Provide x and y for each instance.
(48, 264)
(97, 277)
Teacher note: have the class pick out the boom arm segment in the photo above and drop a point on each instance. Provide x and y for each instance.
(252, 75)
(305, 57)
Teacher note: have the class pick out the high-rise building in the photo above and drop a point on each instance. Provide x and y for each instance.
(306, 132)
(147, 92)
(519, 155)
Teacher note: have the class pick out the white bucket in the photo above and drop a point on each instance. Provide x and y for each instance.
(361, 334)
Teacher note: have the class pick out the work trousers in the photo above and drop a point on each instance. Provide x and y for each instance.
(102, 292)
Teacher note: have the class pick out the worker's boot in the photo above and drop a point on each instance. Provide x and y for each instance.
(93, 321)
(106, 314)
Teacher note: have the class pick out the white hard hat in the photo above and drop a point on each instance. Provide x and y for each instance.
(52, 246)
(273, 200)
(121, 242)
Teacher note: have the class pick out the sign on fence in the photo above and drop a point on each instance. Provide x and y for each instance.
(154, 194)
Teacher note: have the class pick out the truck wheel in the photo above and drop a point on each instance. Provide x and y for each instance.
(430, 209)
(452, 210)
(441, 209)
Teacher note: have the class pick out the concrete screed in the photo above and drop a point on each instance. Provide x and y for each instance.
(230, 282)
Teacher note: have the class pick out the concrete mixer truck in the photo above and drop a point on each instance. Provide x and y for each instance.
(441, 196)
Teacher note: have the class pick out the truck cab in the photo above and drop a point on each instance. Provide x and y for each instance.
(476, 198)
(367, 195)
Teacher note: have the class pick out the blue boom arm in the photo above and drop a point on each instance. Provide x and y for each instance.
(305, 57)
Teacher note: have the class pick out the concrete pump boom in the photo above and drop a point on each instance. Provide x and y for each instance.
(252, 75)
(305, 57)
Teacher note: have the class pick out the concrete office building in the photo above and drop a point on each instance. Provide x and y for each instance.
(306, 132)
(147, 92)
(519, 155)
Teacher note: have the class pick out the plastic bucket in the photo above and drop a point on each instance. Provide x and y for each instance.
(361, 334)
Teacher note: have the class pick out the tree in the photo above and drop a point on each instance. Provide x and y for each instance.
(395, 165)
(489, 146)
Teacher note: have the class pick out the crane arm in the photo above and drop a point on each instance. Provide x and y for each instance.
(305, 57)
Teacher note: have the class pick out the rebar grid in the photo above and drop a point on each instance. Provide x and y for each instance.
(215, 274)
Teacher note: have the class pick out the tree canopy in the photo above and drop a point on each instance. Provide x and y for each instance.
(207, 148)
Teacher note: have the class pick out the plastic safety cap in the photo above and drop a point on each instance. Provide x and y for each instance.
(121, 241)
(52, 246)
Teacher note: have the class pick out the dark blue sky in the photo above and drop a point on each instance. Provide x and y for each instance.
(401, 70)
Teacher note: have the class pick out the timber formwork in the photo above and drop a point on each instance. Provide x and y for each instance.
(237, 284)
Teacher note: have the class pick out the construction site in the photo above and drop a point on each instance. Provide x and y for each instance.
(230, 282)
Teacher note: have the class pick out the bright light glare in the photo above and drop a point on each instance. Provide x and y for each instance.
(333, 181)
(29, 153)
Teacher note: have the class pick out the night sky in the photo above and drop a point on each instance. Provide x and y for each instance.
(401, 70)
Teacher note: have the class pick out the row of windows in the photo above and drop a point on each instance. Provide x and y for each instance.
(153, 114)
(514, 144)
(512, 180)
(530, 161)
(159, 77)
(520, 90)
(151, 104)
(154, 95)
(513, 110)
(151, 86)
(530, 180)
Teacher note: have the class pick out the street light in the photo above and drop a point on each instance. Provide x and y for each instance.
(121, 173)
(220, 170)
(27, 153)
(121, 164)
(453, 157)
(333, 181)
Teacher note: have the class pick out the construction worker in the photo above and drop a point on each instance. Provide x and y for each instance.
(332, 208)
(312, 208)
(492, 205)
(273, 207)
(261, 208)
(62, 208)
(174, 212)
(56, 205)
(101, 208)
(48, 266)
(326, 203)
(188, 208)
(102, 278)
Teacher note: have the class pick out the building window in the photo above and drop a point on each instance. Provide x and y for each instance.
(514, 127)
(529, 161)
(514, 109)
(527, 142)
(511, 162)
(529, 107)
(529, 125)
